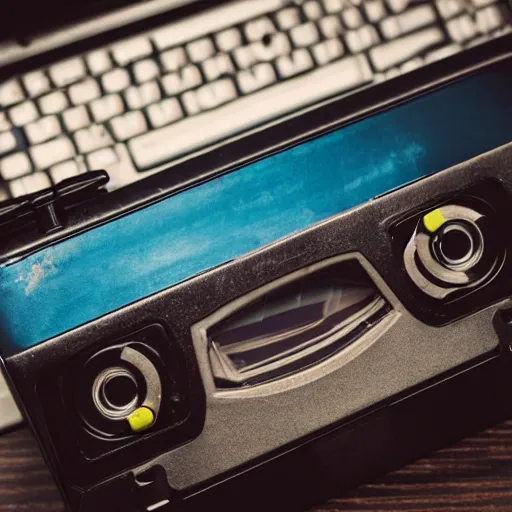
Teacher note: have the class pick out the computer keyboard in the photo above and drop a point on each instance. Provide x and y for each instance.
(136, 105)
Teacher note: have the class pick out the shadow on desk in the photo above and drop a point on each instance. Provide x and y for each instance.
(475, 475)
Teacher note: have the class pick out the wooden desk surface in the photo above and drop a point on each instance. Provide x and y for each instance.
(474, 476)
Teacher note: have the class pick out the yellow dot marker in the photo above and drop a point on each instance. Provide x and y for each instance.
(434, 220)
(141, 419)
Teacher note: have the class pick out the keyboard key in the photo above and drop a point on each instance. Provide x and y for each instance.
(257, 29)
(304, 35)
(99, 62)
(244, 57)
(34, 182)
(352, 18)
(76, 118)
(443, 52)
(49, 153)
(375, 10)
(461, 29)
(101, 159)
(277, 45)
(410, 20)
(5, 124)
(397, 6)
(7, 142)
(362, 38)
(173, 60)
(312, 10)
(288, 18)
(164, 112)
(187, 78)
(261, 75)
(36, 83)
(199, 131)
(489, 19)
(394, 52)
(92, 138)
(218, 66)
(145, 70)
(200, 50)
(107, 107)
(23, 113)
(129, 125)
(228, 40)
(64, 170)
(142, 95)
(131, 50)
(333, 6)
(449, 8)
(330, 26)
(298, 62)
(11, 93)
(15, 165)
(67, 72)
(84, 92)
(43, 130)
(327, 51)
(53, 103)
(411, 65)
(116, 80)
(209, 96)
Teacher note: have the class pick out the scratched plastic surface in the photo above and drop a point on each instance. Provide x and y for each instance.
(86, 277)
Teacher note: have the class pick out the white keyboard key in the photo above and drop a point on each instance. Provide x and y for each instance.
(209, 96)
(395, 52)
(5, 124)
(331, 6)
(174, 59)
(11, 93)
(288, 18)
(115, 80)
(67, 72)
(53, 103)
(36, 83)
(398, 5)
(298, 62)
(84, 92)
(145, 70)
(327, 51)
(187, 78)
(450, 8)
(257, 29)
(489, 19)
(411, 65)
(7, 142)
(43, 130)
(107, 107)
(362, 38)
(17, 189)
(200, 50)
(76, 118)
(330, 26)
(261, 75)
(123, 171)
(129, 125)
(64, 170)
(482, 3)
(164, 112)
(101, 159)
(15, 165)
(49, 153)
(375, 10)
(312, 10)
(461, 29)
(412, 19)
(23, 113)
(244, 57)
(217, 66)
(247, 112)
(92, 138)
(228, 40)
(277, 45)
(304, 35)
(131, 50)
(352, 18)
(35, 182)
(99, 62)
(443, 52)
(140, 96)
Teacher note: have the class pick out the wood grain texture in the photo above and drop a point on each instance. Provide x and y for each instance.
(475, 476)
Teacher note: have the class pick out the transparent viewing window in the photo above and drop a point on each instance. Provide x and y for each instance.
(296, 325)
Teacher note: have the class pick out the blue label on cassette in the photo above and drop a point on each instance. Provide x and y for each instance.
(85, 277)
